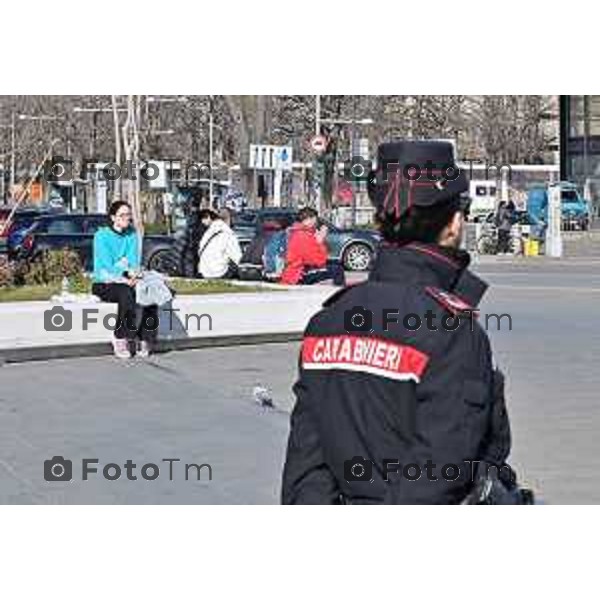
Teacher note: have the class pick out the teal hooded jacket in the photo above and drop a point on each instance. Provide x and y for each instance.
(114, 254)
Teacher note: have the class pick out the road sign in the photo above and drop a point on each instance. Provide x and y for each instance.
(101, 196)
(283, 158)
(270, 157)
(318, 144)
(360, 147)
(155, 172)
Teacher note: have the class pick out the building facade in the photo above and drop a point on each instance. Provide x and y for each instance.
(580, 143)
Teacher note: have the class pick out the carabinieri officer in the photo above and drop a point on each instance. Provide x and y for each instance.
(397, 399)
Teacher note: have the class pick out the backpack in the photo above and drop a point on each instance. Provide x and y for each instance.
(274, 255)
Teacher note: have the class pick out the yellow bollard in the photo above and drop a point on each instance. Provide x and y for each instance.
(532, 247)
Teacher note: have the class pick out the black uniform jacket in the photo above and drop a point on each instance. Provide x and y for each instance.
(380, 401)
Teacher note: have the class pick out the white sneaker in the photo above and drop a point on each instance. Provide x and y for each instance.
(121, 348)
(143, 349)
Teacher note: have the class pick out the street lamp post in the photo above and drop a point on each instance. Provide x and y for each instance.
(95, 111)
(317, 188)
(317, 114)
(211, 127)
(353, 186)
(353, 123)
(13, 158)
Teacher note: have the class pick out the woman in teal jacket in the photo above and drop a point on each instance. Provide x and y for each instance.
(116, 273)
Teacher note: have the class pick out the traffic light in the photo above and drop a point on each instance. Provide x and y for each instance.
(318, 167)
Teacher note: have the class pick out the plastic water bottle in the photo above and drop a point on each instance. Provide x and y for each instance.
(64, 288)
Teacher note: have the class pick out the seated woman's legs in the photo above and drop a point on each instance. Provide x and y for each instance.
(127, 318)
(124, 296)
(333, 270)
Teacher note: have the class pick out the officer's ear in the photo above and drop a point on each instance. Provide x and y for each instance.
(451, 235)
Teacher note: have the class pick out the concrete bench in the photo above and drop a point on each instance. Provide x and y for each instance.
(28, 333)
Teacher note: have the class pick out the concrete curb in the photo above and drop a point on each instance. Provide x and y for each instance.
(43, 353)
(219, 320)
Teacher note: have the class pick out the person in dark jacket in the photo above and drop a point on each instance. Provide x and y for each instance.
(504, 223)
(397, 400)
(253, 255)
(251, 264)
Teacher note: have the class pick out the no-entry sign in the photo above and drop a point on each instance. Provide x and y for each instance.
(318, 144)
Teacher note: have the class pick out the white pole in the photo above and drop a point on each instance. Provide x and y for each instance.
(277, 182)
(554, 245)
(317, 114)
(210, 152)
(13, 159)
(504, 185)
(117, 188)
(317, 186)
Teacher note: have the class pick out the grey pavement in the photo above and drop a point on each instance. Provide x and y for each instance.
(198, 406)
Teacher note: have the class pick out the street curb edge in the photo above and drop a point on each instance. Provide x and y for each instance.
(43, 353)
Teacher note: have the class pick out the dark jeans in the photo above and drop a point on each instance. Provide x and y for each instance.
(233, 271)
(129, 326)
(504, 240)
(333, 270)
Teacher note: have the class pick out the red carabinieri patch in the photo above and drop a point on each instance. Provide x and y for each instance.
(365, 354)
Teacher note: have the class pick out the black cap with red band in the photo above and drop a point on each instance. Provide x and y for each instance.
(415, 173)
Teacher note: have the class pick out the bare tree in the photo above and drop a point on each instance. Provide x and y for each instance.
(496, 128)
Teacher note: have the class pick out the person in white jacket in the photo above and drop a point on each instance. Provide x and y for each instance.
(219, 252)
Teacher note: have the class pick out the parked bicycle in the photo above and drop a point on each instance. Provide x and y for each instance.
(488, 241)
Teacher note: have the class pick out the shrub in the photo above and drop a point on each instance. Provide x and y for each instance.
(52, 266)
(6, 272)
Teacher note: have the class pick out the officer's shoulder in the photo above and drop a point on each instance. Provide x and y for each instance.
(450, 302)
(327, 317)
(342, 292)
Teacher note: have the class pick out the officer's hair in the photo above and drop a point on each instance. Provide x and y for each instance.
(418, 224)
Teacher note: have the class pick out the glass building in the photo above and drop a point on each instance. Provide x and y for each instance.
(580, 143)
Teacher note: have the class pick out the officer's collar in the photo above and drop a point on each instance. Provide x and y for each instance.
(429, 264)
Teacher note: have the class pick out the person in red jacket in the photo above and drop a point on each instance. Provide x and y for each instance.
(306, 259)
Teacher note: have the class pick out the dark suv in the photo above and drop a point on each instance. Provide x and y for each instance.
(76, 231)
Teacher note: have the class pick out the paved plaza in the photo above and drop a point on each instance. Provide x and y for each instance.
(197, 406)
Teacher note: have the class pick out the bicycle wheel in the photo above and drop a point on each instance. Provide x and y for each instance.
(517, 246)
(487, 244)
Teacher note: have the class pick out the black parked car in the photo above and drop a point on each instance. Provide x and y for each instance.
(76, 231)
(21, 221)
(355, 248)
